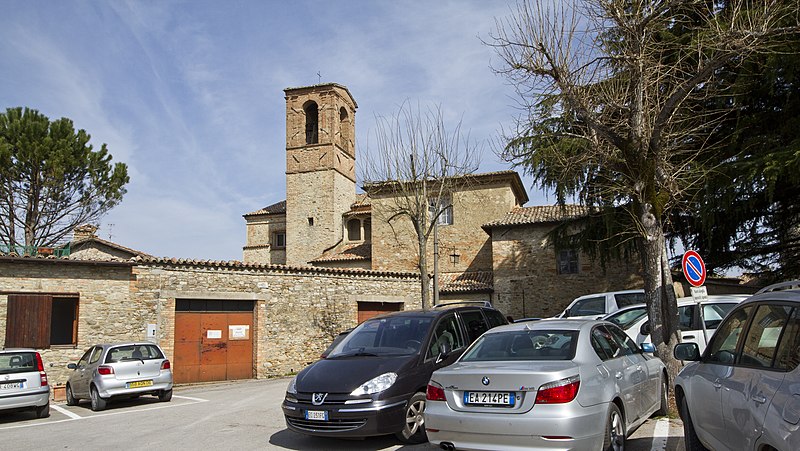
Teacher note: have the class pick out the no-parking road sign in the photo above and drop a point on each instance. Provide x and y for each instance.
(694, 268)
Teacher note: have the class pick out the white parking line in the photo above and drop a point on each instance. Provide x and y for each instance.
(660, 434)
(74, 416)
(66, 412)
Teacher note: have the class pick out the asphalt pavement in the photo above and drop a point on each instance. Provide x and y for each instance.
(221, 416)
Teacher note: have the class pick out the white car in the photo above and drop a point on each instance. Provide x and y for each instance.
(597, 305)
(635, 322)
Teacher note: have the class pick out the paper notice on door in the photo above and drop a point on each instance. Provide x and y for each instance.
(239, 332)
(214, 334)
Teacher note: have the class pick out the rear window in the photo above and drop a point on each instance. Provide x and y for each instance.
(17, 362)
(524, 345)
(626, 299)
(133, 352)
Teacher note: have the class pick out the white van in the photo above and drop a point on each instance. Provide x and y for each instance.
(597, 305)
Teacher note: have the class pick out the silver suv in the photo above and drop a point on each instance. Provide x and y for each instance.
(119, 371)
(743, 393)
(23, 382)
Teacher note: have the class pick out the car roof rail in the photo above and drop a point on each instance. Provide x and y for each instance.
(781, 286)
(487, 304)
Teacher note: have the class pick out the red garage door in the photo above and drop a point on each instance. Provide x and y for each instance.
(367, 310)
(213, 340)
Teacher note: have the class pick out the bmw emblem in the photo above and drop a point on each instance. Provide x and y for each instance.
(485, 380)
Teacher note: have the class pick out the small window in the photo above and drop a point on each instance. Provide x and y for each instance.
(279, 240)
(312, 122)
(443, 208)
(96, 355)
(604, 344)
(567, 260)
(354, 230)
(310, 221)
(788, 356)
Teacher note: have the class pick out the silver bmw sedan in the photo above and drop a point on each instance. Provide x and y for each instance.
(550, 384)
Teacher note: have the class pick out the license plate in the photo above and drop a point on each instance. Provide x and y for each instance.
(321, 415)
(489, 398)
(11, 385)
(138, 384)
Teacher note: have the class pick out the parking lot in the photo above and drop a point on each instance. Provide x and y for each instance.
(241, 415)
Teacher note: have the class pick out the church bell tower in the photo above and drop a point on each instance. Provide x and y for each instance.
(320, 168)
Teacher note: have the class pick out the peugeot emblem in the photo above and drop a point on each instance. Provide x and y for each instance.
(318, 398)
(485, 380)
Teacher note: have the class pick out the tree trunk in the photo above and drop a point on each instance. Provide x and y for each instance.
(660, 294)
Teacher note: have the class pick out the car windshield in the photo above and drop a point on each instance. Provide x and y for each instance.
(523, 345)
(626, 318)
(133, 352)
(395, 335)
(16, 362)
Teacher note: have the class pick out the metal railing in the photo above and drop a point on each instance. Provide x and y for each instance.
(19, 250)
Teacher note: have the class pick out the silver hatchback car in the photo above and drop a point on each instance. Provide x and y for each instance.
(549, 384)
(119, 370)
(23, 382)
(743, 392)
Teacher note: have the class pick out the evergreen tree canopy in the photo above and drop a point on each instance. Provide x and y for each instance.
(51, 179)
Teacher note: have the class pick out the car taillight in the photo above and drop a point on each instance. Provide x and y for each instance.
(559, 392)
(40, 368)
(435, 392)
(105, 370)
(165, 364)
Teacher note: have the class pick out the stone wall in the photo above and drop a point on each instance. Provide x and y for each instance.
(259, 247)
(106, 312)
(294, 306)
(394, 246)
(526, 279)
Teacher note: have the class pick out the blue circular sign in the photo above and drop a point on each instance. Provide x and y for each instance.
(694, 268)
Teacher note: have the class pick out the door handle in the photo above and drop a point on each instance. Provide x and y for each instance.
(717, 384)
(759, 399)
(686, 337)
(618, 375)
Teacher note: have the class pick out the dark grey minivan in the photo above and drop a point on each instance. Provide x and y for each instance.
(373, 382)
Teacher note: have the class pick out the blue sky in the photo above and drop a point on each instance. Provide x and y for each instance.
(190, 94)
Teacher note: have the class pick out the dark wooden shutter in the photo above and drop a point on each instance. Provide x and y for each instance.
(28, 321)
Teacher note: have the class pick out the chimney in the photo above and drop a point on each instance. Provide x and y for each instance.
(84, 232)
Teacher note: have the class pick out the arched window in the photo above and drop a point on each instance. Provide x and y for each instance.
(354, 230)
(312, 122)
(344, 127)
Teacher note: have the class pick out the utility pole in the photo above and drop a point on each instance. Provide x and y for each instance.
(436, 261)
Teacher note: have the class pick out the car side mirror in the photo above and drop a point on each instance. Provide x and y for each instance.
(686, 351)
(645, 329)
(72, 366)
(648, 348)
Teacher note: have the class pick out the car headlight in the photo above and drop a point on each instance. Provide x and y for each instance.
(375, 385)
(292, 388)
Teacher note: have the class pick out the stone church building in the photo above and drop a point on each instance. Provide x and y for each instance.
(492, 247)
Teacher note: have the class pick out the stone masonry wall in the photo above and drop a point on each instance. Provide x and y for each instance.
(296, 309)
(259, 247)
(526, 279)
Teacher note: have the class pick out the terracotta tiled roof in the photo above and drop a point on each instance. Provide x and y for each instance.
(351, 252)
(362, 206)
(77, 243)
(236, 264)
(274, 209)
(475, 282)
(538, 214)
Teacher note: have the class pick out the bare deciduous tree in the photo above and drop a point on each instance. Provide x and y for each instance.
(609, 90)
(415, 166)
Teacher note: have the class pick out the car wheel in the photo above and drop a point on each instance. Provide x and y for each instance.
(98, 403)
(614, 439)
(165, 395)
(690, 439)
(414, 429)
(43, 411)
(71, 399)
(663, 410)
